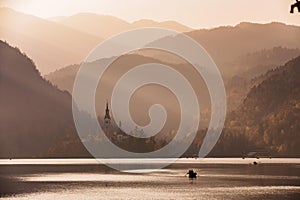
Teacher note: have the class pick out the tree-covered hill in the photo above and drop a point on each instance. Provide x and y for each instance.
(35, 116)
(270, 114)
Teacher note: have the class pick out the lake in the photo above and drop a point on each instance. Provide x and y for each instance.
(218, 178)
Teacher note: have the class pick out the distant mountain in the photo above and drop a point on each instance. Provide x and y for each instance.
(50, 44)
(64, 78)
(98, 25)
(259, 62)
(105, 26)
(68, 40)
(252, 68)
(57, 19)
(145, 96)
(269, 116)
(173, 25)
(36, 118)
(227, 44)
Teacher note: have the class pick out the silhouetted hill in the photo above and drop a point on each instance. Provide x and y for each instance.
(105, 26)
(35, 118)
(50, 44)
(269, 116)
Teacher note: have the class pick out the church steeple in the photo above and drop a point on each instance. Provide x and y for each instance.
(107, 116)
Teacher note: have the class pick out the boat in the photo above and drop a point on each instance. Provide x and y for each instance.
(192, 174)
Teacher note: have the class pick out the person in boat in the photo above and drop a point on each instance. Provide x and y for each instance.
(192, 174)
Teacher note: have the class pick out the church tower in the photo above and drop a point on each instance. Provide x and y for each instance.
(107, 116)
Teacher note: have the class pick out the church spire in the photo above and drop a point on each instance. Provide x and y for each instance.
(107, 115)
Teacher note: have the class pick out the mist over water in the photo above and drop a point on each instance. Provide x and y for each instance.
(217, 179)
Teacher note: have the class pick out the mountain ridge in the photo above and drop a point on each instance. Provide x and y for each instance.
(87, 22)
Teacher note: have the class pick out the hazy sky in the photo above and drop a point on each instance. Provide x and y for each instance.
(194, 13)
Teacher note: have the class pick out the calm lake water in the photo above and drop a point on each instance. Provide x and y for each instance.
(87, 179)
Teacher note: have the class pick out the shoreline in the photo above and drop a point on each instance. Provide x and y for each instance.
(93, 161)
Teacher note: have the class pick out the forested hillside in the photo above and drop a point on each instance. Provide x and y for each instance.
(269, 116)
(35, 116)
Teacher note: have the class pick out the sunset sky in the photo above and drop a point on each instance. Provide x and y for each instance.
(194, 13)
